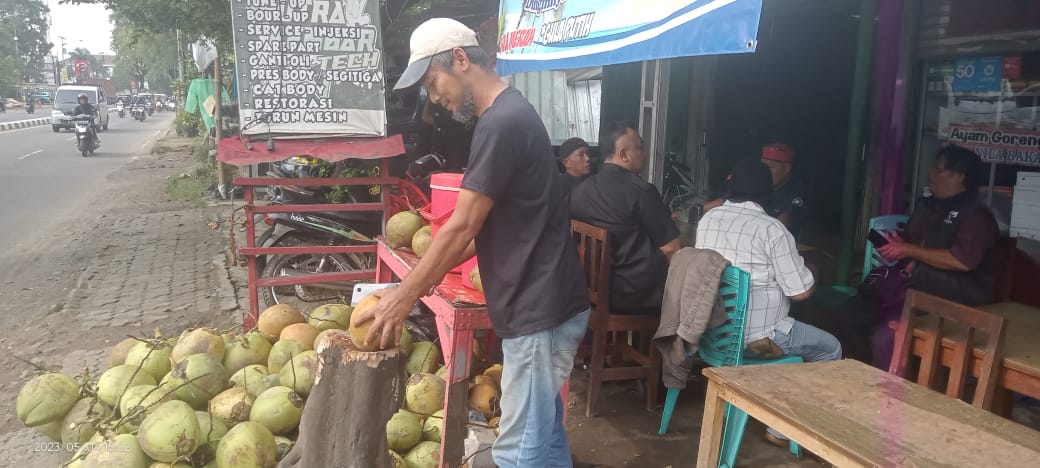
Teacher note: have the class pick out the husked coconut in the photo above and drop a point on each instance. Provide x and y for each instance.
(275, 318)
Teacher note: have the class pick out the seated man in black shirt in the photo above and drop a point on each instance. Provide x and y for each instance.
(643, 236)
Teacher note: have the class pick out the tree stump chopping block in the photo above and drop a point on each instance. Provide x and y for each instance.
(354, 395)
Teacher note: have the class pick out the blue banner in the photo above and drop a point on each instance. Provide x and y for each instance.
(539, 35)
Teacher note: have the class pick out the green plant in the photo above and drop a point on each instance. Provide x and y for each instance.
(187, 124)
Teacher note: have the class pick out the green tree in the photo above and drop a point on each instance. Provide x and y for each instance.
(81, 53)
(143, 56)
(24, 23)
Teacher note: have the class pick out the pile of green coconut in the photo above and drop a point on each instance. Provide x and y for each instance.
(226, 399)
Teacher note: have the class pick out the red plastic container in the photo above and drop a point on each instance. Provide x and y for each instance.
(444, 194)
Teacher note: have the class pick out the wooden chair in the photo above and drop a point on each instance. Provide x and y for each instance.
(961, 322)
(594, 252)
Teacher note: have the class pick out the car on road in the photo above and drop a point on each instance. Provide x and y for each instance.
(66, 100)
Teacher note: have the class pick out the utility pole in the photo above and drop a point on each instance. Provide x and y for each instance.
(180, 71)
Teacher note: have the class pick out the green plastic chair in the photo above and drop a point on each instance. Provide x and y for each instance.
(833, 295)
(724, 346)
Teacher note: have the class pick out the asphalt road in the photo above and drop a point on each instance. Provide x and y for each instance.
(43, 178)
(14, 115)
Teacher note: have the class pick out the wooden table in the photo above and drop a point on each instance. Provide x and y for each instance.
(1020, 370)
(852, 414)
(460, 312)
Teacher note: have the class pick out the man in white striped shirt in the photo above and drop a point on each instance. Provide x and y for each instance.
(752, 240)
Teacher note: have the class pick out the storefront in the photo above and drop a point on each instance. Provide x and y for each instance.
(978, 85)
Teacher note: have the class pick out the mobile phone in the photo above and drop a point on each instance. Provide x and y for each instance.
(876, 238)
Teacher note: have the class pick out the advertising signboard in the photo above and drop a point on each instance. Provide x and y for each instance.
(309, 67)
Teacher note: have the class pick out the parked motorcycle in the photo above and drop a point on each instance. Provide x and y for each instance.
(120, 110)
(86, 135)
(325, 228)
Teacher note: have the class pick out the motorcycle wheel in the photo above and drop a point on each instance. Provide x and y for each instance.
(305, 297)
(83, 149)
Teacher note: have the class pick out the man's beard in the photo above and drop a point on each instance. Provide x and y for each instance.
(466, 113)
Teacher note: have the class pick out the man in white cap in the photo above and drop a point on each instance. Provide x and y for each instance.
(509, 204)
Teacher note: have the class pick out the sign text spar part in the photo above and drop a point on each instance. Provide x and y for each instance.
(310, 67)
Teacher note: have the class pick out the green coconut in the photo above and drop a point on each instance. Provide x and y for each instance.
(300, 373)
(282, 352)
(197, 379)
(84, 449)
(279, 409)
(117, 356)
(331, 317)
(46, 398)
(247, 445)
(170, 432)
(401, 227)
(424, 455)
(232, 406)
(139, 400)
(253, 378)
(211, 430)
(403, 431)
(397, 461)
(282, 446)
(424, 394)
(442, 372)
(433, 427)
(115, 381)
(424, 358)
(198, 341)
(152, 356)
(169, 465)
(52, 430)
(421, 241)
(122, 451)
(78, 426)
(406, 340)
(246, 350)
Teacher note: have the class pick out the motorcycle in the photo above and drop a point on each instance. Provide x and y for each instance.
(120, 110)
(30, 107)
(322, 228)
(149, 108)
(158, 106)
(86, 135)
(137, 112)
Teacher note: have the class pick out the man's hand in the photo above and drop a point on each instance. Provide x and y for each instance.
(896, 248)
(387, 315)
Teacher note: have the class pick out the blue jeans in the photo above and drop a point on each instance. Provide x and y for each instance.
(535, 366)
(809, 342)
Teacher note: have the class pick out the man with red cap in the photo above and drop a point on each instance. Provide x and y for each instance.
(788, 201)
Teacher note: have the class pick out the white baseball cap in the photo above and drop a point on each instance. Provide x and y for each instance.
(434, 36)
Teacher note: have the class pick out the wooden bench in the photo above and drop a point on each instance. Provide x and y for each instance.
(852, 414)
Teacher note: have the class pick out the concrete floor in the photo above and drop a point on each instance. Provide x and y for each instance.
(624, 434)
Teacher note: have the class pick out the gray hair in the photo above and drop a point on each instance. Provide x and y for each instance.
(477, 56)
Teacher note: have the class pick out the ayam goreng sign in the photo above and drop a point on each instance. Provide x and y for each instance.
(560, 34)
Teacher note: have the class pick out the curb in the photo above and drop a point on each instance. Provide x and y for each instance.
(24, 123)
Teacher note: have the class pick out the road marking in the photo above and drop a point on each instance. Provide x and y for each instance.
(30, 154)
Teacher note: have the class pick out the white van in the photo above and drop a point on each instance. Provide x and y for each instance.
(66, 100)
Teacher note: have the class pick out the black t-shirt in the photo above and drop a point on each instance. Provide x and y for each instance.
(632, 211)
(789, 198)
(528, 262)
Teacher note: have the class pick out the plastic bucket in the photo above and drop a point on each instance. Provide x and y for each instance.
(444, 194)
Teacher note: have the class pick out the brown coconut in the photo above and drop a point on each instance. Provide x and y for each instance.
(275, 318)
(302, 332)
